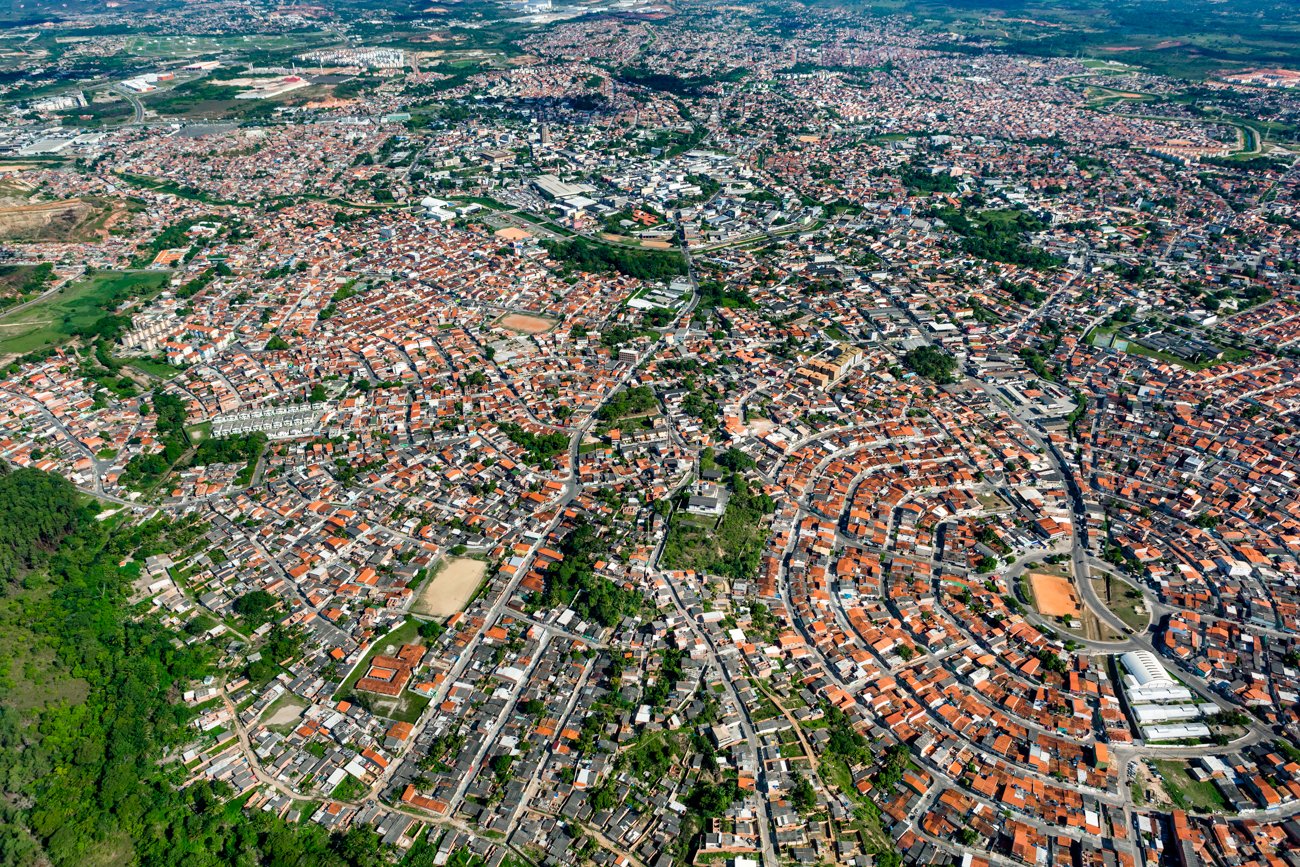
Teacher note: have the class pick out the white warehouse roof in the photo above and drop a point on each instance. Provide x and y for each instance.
(1146, 668)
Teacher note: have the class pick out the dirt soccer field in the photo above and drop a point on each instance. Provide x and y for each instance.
(453, 586)
(1054, 596)
(527, 324)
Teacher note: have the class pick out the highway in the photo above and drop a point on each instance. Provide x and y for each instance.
(137, 106)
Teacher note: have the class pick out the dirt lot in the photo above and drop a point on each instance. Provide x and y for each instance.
(526, 324)
(24, 219)
(447, 592)
(284, 711)
(1054, 596)
(45, 221)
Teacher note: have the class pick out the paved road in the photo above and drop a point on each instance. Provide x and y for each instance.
(746, 723)
(535, 780)
(572, 489)
(137, 116)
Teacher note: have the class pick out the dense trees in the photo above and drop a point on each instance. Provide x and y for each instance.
(922, 179)
(710, 800)
(735, 460)
(996, 236)
(631, 401)
(715, 293)
(80, 777)
(670, 673)
(892, 764)
(616, 335)
(230, 450)
(677, 85)
(89, 773)
(932, 363)
(845, 741)
(23, 280)
(36, 512)
(600, 258)
(803, 797)
(573, 582)
(540, 447)
(255, 607)
(245, 449)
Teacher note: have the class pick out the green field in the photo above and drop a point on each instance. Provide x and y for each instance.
(1122, 600)
(406, 709)
(205, 99)
(153, 367)
(55, 320)
(1185, 792)
(197, 46)
(163, 185)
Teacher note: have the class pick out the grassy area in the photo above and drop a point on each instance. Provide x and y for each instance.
(404, 634)
(154, 367)
(46, 682)
(350, 788)
(993, 503)
(1099, 97)
(406, 709)
(160, 185)
(76, 306)
(732, 547)
(1186, 793)
(171, 47)
(1106, 337)
(1111, 67)
(490, 204)
(1123, 601)
(1025, 591)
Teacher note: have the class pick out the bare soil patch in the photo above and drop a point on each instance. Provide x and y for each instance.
(452, 588)
(285, 710)
(1054, 596)
(526, 324)
(47, 221)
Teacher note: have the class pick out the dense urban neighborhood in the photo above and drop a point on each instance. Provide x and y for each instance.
(642, 434)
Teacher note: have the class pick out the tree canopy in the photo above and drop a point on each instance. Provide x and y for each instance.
(932, 363)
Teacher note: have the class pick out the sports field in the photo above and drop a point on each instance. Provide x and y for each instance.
(449, 591)
(527, 324)
(1054, 596)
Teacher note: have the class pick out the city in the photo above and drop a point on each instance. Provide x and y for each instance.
(645, 434)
